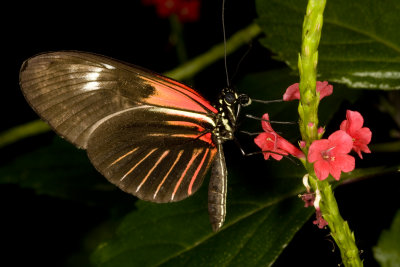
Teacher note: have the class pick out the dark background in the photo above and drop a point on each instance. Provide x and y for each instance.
(45, 230)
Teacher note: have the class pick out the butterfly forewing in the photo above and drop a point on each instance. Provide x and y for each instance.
(146, 133)
(75, 92)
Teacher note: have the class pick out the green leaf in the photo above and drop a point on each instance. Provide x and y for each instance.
(387, 251)
(360, 44)
(263, 214)
(60, 170)
(262, 217)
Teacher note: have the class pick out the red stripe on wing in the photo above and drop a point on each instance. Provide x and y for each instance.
(195, 154)
(186, 124)
(207, 138)
(182, 86)
(166, 175)
(197, 172)
(152, 169)
(177, 95)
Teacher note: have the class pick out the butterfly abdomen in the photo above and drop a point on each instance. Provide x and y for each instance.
(217, 190)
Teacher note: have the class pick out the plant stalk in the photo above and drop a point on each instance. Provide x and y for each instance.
(308, 113)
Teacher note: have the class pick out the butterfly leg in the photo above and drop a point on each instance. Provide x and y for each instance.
(272, 122)
(246, 154)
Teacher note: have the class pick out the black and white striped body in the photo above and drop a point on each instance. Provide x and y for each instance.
(229, 104)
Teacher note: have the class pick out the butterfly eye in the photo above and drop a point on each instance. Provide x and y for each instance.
(244, 100)
(230, 98)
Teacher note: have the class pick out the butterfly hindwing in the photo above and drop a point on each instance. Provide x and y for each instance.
(157, 154)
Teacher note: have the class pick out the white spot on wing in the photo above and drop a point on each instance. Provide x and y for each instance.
(92, 76)
(108, 66)
(91, 86)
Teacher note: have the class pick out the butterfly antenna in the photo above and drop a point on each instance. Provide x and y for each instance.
(241, 61)
(224, 33)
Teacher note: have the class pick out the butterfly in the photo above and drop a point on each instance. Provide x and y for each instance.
(151, 136)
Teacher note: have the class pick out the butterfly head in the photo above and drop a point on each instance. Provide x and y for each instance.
(229, 105)
(230, 97)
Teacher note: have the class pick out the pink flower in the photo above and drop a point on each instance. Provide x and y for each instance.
(273, 144)
(330, 155)
(361, 135)
(189, 11)
(166, 8)
(293, 92)
(186, 10)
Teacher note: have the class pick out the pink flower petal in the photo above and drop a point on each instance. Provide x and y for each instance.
(361, 137)
(343, 126)
(285, 145)
(314, 152)
(276, 156)
(292, 92)
(267, 155)
(355, 121)
(324, 89)
(346, 162)
(335, 171)
(341, 141)
(321, 168)
(260, 140)
(266, 125)
(364, 148)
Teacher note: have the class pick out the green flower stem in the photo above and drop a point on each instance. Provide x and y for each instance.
(308, 112)
(340, 230)
(308, 59)
(185, 71)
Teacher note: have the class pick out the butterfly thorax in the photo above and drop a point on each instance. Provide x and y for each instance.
(228, 106)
